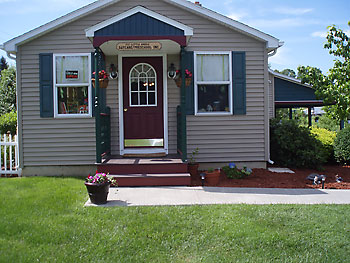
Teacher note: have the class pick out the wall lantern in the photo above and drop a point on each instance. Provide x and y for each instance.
(113, 71)
(172, 71)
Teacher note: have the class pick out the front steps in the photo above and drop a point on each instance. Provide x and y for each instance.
(163, 171)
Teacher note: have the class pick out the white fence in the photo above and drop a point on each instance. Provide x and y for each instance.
(9, 157)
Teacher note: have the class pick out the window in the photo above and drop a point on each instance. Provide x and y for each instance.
(213, 83)
(72, 88)
(143, 86)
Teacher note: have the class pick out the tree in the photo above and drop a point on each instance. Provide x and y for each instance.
(335, 87)
(338, 88)
(3, 64)
(288, 72)
(8, 90)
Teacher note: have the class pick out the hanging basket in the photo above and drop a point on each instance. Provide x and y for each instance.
(178, 81)
(103, 83)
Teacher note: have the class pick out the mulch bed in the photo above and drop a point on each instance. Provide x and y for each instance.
(261, 178)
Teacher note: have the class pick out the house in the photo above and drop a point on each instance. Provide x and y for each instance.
(289, 92)
(66, 126)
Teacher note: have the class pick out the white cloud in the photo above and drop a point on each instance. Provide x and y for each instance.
(292, 11)
(321, 34)
(283, 58)
(280, 23)
(238, 15)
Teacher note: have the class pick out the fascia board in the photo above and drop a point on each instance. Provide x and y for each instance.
(90, 32)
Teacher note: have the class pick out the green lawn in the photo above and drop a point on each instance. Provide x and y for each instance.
(43, 220)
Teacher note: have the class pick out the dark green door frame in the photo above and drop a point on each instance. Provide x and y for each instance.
(96, 106)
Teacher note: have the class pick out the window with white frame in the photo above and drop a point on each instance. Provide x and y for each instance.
(213, 83)
(72, 88)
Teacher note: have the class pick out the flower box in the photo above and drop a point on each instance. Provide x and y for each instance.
(188, 82)
(103, 83)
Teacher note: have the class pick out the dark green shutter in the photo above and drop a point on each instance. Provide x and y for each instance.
(92, 88)
(46, 85)
(239, 83)
(189, 61)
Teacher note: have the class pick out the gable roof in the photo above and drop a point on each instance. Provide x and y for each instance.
(91, 32)
(11, 45)
(290, 79)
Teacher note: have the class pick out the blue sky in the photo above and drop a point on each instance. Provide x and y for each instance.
(302, 25)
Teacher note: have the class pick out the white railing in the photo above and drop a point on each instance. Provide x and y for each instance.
(9, 157)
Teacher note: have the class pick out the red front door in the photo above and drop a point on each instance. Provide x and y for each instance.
(143, 102)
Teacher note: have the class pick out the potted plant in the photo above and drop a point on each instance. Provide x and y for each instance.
(192, 166)
(188, 78)
(102, 77)
(212, 176)
(98, 187)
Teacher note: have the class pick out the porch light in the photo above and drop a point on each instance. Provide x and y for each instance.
(113, 71)
(172, 71)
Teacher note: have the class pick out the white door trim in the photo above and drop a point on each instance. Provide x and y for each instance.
(121, 108)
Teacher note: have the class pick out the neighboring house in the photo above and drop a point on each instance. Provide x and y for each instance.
(65, 125)
(289, 92)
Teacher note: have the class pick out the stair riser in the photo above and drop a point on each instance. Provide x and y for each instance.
(142, 169)
(164, 181)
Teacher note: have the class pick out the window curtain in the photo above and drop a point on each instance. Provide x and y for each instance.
(211, 67)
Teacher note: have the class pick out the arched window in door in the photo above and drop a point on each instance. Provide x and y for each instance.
(142, 86)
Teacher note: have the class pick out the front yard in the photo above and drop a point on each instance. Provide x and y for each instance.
(43, 220)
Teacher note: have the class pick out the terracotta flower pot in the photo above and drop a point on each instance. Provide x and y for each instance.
(212, 178)
(98, 192)
(103, 83)
(192, 168)
(178, 81)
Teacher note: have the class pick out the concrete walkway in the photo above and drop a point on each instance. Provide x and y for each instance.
(158, 196)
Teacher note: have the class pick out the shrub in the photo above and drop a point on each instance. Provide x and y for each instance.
(327, 138)
(295, 146)
(233, 172)
(8, 123)
(8, 90)
(342, 146)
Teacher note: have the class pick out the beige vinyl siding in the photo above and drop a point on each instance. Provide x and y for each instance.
(173, 102)
(72, 141)
(49, 141)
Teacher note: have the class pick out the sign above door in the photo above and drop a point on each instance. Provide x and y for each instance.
(139, 46)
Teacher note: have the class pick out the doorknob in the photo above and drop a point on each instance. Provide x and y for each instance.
(125, 110)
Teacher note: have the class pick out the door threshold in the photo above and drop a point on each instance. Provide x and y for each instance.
(144, 152)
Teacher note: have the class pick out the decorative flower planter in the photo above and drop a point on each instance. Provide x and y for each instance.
(98, 192)
(188, 82)
(212, 178)
(103, 83)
